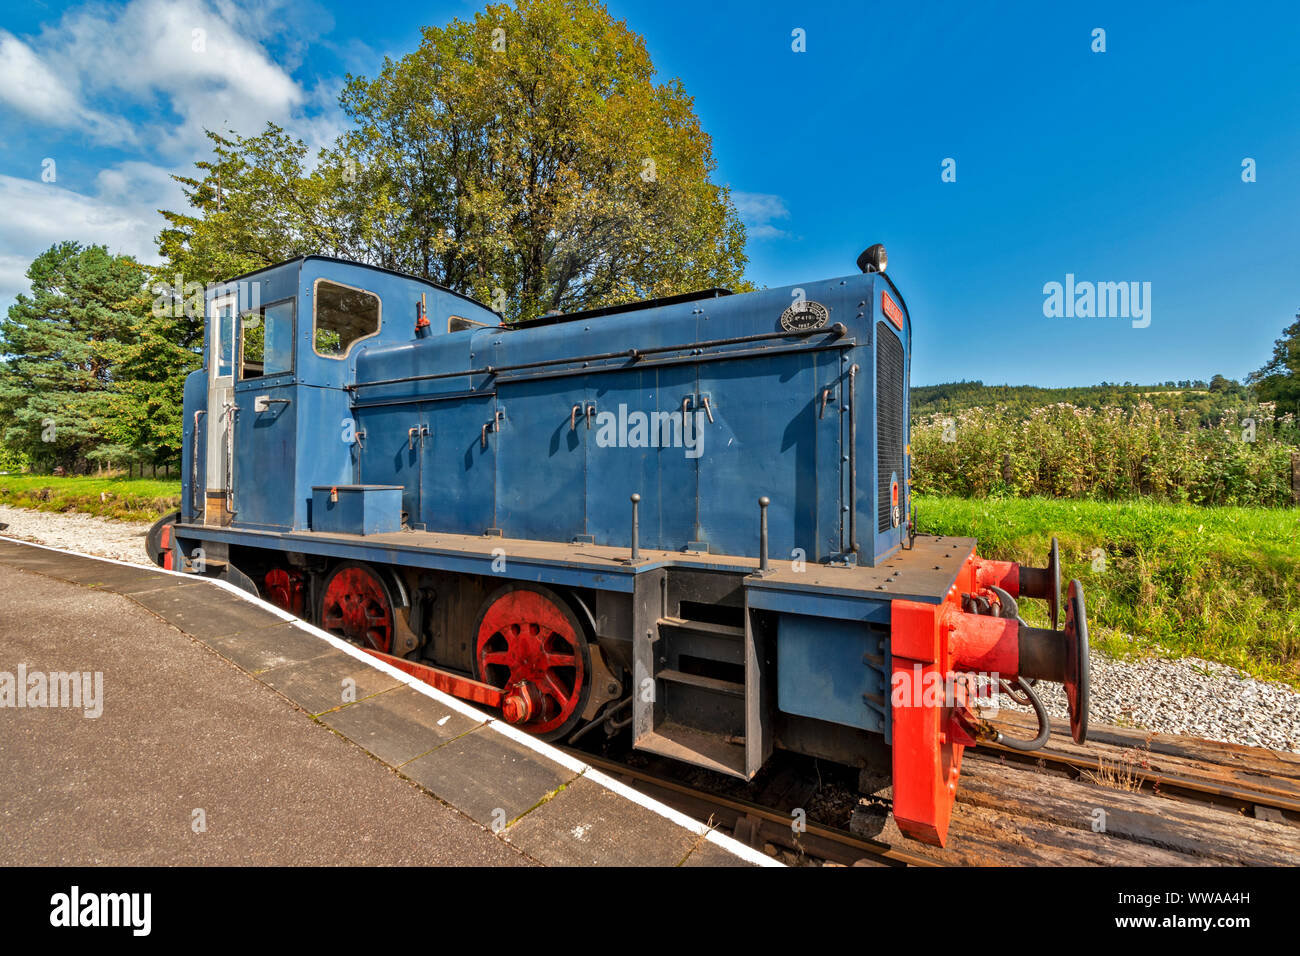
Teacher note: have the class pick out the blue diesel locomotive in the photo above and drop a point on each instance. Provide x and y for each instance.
(688, 516)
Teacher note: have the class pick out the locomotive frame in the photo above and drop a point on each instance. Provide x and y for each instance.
(389, 460)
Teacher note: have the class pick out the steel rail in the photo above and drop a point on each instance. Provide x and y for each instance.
(816, 837)
(1263, 795)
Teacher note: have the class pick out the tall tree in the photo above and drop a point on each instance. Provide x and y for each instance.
(525, 156)
(256, 203)
(1279, 380)
(88, 367)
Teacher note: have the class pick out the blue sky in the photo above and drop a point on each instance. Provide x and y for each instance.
(1122, 166)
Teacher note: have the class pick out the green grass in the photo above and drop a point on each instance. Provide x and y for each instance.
(125, 499)
(1218, 583)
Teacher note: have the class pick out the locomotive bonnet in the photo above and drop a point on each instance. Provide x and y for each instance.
(688, 519)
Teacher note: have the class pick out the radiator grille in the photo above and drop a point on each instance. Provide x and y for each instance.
(889, 419)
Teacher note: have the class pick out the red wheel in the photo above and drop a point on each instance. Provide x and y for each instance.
(356, 605)
(286, 589)
(530, 644)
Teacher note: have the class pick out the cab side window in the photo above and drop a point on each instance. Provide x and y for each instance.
(223, 313)
(342, 316)
(458, 323)
(266, 338)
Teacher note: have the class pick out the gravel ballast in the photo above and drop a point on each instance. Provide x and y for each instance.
(1170, 696)
(74, 531)
(1187, 696)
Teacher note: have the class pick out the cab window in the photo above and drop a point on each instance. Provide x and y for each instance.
(458, 323)
(223, 314)
(342, 315)
(266, 340)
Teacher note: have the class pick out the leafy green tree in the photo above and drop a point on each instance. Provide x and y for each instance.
(1225, 385)
(12, 461)
(525, 156)
(150, 364)
(257, 203)
(1279, 380)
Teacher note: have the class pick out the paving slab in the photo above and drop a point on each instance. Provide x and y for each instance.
(190, 761)
(586, 825)
(329, 681)
(488, 776)
(267, 645)
(59, 565)
(205, 613)
(460, 756)
(112, 577)
(398, 725)
(150, 584)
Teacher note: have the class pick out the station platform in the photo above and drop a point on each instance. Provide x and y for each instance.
(215, 729)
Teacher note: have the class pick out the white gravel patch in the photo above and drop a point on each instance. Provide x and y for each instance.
(74, 531)
(1186, 696)
(1169, 696)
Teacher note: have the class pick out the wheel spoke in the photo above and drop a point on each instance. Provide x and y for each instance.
(557, 690)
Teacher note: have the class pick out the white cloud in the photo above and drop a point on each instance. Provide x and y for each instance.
(207, 66)
(186, 65)
(29, 85)
(757, 210)
(122, 216)
(147, 77)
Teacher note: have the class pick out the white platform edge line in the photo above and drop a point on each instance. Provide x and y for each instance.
(730, 844)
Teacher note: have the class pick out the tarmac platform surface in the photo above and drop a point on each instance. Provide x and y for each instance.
(230, 733)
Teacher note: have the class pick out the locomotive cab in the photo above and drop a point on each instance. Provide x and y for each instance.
(282, 347)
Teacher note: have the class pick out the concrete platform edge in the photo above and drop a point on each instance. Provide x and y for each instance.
(491, 723)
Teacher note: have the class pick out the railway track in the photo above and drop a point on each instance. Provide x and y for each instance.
(756, 824)
(1168, 784)
(1257, 781)
(1125, 798)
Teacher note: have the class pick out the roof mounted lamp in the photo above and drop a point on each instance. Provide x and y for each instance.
(873, 259)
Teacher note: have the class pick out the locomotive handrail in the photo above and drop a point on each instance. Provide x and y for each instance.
(194, 462)
(668, 360)
(854, 545)
(835, 331)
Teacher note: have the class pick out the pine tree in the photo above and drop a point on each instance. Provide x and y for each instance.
(89, 371)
